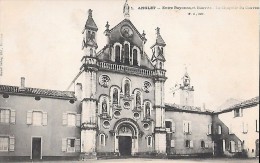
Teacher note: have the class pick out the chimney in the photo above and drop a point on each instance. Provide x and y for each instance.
(22, 86)
(204, 106)
(78, 91)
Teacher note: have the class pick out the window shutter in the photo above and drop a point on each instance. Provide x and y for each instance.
(206, 144)
(7, 115)
(190, 128)
(64, 118)
(12, 116)
(78, 120)
(11, 143)
(246, 127)
(64, 145)
(191, 143)
(173, 143)
(44, 119)
(209, 128)
(241, 112)
(77, 145)
(29, 117)
(173, 127)
(184, 127)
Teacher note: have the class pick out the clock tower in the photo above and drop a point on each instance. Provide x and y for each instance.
(183, 94)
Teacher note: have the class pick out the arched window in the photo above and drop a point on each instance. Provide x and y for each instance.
(202, 144)
(160, 65)
(147, 109)
(104, 106)
(89, 34)
(93, 35)
(91, 52)
(102, 139)
(149, 141)
(219, 130)
(138, 99)
(127, 54)
(135, 62)
(115, 96)
(127, 88)
(232, 146)
(117, 54)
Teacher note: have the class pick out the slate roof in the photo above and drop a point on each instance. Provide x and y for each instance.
(90, 24)
(37, 92)
(244, 104)
(159, 41)
(191, 109)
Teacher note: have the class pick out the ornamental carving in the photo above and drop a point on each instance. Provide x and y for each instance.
(147, 86)
(104, 80)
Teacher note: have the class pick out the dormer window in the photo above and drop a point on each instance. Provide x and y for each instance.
(238, 112)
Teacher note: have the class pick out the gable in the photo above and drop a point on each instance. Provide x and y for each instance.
(117, 34)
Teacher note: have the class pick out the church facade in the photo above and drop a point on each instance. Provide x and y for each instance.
(117, 109)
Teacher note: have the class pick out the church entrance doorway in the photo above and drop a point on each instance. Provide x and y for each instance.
(125, 145)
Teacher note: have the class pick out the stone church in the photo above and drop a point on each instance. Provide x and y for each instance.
(117, 107)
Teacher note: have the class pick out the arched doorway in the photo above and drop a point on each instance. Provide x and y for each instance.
(125, 141)
(126, 137)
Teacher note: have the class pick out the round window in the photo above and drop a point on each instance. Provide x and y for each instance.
(106, 124)
(127, 105)
(136, 115)
(146, 126)
(117, 113)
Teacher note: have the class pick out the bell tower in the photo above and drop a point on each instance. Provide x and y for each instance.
(89, 106)
(158, 61)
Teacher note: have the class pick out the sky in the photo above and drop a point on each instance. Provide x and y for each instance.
(220, 46)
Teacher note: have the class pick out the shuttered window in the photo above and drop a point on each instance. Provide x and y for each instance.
(7, 143)
(172, 143)
(37, 118)
(209, 128)
(187, 128)
(70, 145)
(189, 144)
(7, 116)
(71, 119)
(4, 115)
(4, 143)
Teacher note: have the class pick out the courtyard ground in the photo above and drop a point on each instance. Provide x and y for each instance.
(138, 160)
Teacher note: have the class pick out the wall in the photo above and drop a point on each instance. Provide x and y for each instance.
(51, 134)
(137, 82)
(250, 115)
(199, 123)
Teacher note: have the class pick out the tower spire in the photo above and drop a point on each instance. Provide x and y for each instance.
(126, 10)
